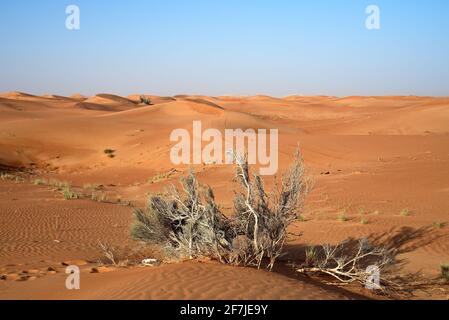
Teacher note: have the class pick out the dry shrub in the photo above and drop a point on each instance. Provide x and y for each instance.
(349, 261)
(188, 223)
(361, 262)
(445, 271)
(145, 100)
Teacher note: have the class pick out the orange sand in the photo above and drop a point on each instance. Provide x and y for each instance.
(382, 155)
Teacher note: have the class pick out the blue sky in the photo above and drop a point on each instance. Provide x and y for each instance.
(215, 47)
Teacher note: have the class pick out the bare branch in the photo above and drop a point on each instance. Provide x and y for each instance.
(190, 224)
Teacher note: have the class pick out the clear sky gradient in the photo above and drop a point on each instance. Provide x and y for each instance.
(217, 47)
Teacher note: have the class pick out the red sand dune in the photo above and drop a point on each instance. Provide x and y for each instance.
(381, 155)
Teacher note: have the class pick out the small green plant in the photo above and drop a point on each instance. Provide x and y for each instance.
(161, 176)
(361, 211)
(6, 176)
(439, 225)
(157, 178)
(445, 271)
(145, 100)
(12, 177)
(100, 197)
(40, 182)
(301, 218)
(69, 194)
(90, 186)
(59, 185)
(311, 255)
(405, 212)
(363, 221)
(103, 197)
(342, 217)
(110, 153)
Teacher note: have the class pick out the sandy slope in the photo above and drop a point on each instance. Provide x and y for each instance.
(371, 157)
(38, 224)
(176, 281)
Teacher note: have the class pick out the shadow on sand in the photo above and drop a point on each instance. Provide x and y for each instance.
(397, 240)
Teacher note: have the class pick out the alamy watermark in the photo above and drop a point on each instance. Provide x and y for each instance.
(373, 279)
(72, 21)
(223, 148)
(72, 281)
(372, 22)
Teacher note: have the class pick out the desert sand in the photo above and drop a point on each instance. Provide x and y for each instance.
(371, 158)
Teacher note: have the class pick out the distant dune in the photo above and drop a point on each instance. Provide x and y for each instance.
(15, 95)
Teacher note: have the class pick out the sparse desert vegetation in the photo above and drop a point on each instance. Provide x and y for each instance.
(70, 194)
(92, 187)
(190, 224)
(342, 217)
(40, 182)
(368, 195)
(187, 182)
(59, 185)
(145, 100)
(99, 197)
(6, 176)
(161, 176)
(445, 271)
(439, 225)
(351, 261)
(11, 177)
(109, 152)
